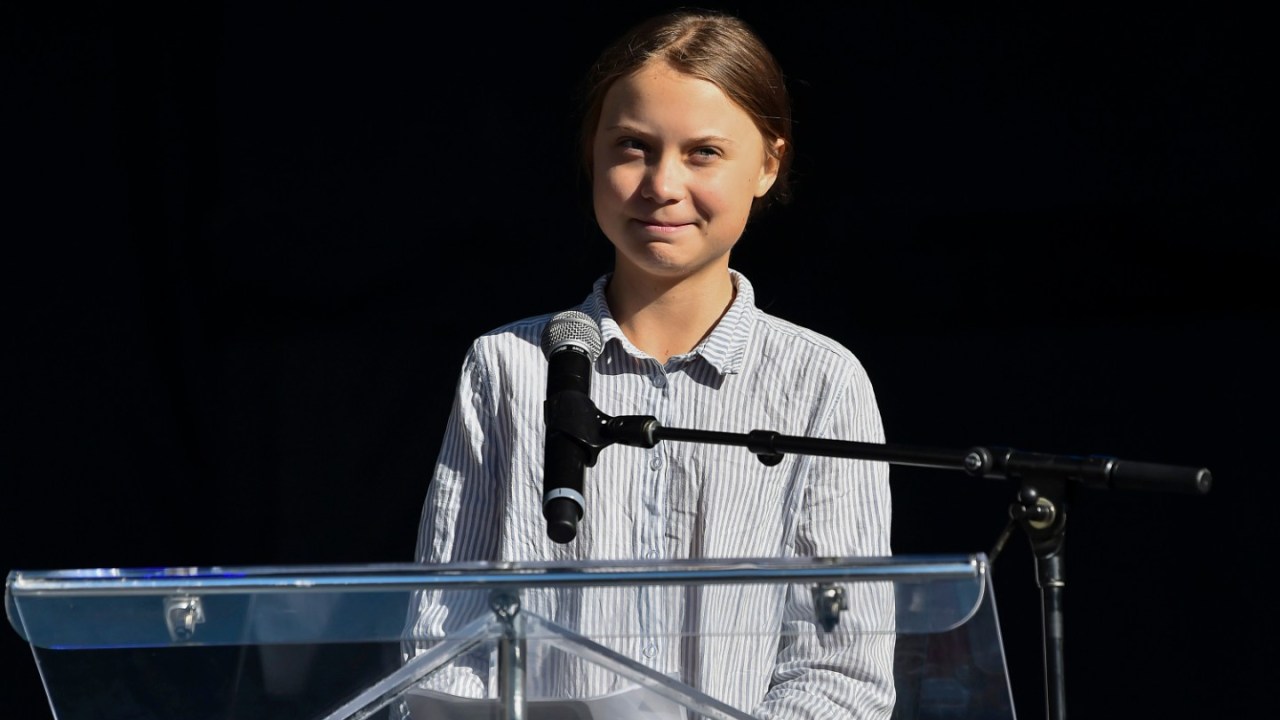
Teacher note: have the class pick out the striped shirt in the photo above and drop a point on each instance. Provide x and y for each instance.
(755, 647)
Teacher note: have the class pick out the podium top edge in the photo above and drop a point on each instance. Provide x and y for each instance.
(408, 576)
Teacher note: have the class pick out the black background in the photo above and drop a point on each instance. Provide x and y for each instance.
(245, 247)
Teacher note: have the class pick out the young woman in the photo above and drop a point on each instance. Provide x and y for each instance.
(686, 134)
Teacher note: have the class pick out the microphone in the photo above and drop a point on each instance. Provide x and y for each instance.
(572, 342)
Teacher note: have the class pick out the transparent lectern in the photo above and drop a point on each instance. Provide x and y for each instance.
(339, 642)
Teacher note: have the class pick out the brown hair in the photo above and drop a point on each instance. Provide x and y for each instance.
(712, 46)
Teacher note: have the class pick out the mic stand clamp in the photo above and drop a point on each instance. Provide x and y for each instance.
(572, 414)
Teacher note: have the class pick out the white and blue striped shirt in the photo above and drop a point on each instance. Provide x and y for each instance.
(755, 647)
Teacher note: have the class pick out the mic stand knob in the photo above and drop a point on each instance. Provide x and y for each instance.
(828, 602)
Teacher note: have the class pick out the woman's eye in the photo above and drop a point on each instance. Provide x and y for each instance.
(631, 144)
(706, 153)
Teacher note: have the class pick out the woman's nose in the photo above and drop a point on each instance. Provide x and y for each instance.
(664, 179)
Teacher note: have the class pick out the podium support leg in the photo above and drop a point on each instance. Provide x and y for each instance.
(386, 690)
(511, 654)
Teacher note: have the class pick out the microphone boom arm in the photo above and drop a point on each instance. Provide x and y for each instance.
(1040, 509)
(997, 463)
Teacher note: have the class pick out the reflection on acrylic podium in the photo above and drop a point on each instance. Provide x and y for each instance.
(339, 642)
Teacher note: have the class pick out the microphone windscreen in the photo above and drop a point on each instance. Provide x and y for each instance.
(572, 327)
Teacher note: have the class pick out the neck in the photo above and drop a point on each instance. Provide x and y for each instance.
(665, 319)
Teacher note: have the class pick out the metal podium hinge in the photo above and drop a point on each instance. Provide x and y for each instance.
(181, 614)
(828, 601)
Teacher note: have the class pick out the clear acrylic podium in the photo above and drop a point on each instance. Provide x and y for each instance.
(331, 642)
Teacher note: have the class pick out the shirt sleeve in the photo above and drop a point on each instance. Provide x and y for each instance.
(846, 511)
(461, 516)
(460, 522)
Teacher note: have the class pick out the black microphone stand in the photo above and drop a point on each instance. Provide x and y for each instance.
(1040, 507)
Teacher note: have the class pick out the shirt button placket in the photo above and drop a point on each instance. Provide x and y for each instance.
(653, 551)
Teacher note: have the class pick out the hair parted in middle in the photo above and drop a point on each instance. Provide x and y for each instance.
(709, 45)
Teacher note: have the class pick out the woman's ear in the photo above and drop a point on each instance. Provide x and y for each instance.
(772, 162)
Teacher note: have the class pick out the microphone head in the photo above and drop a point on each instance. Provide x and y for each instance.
(575, 328)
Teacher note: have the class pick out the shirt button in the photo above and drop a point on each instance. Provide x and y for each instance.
(655, 462)
(650, 650)
(652, 554)
(660, 381)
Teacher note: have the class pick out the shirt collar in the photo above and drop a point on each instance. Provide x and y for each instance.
(723, 349)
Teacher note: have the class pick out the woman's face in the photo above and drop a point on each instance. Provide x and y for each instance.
(675, 169)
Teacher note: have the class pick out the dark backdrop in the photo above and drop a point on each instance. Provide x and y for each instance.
(246, 244)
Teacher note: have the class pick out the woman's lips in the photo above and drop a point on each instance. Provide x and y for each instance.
(662, 227)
